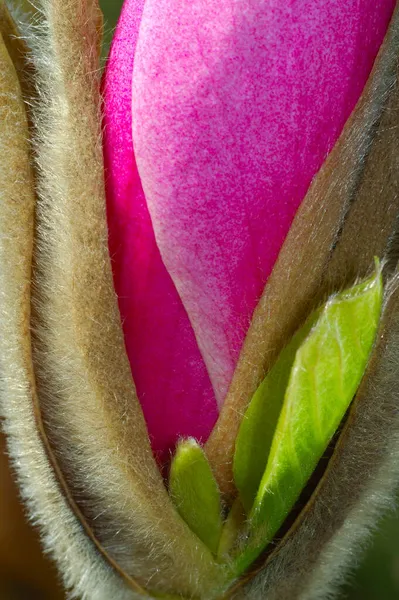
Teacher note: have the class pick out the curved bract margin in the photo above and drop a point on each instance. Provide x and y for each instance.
(93, 424)
(102, 481)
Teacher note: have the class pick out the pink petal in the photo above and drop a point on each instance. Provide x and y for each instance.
(235, 106)
(171, 379)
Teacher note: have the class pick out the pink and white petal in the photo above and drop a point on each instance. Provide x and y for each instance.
(170, 375)
(235, 106)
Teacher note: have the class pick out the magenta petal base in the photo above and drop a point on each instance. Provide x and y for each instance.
(170, 375)
(235, 107)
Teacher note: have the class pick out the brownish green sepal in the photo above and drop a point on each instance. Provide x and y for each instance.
(326, 372)
(195, 493)
(233, 526)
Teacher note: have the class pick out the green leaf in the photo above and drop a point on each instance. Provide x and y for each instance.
(326, 372)
(257, 429)
(195, 493)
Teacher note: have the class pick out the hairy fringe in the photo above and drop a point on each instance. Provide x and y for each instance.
(17, 47)
(348, 216)
(22, 11)
(361, 480)
(86, 409)
(91, 416)
(83, 571)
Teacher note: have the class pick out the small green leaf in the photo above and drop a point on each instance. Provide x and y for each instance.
(195, 493)
(326, 372)
(257, 429)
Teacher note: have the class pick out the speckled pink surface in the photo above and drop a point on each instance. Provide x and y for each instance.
(233, 105)
(170, 375)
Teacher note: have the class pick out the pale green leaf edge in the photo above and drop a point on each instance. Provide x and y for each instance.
(259, 528)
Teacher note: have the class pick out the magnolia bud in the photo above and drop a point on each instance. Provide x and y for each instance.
(304, 455)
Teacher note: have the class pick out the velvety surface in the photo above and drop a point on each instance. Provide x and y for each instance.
(161, 345)
(235, 105)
